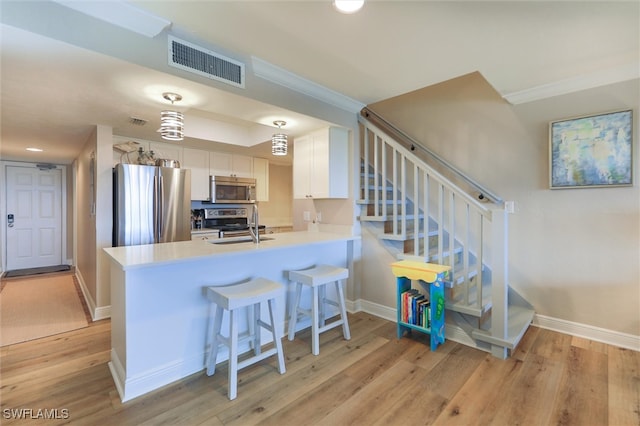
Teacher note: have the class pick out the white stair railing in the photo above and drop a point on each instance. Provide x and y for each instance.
(449, 226)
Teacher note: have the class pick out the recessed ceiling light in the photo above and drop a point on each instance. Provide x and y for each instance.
(348, 6)
(34, 149)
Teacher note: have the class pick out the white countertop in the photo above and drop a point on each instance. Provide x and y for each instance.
(166, 253)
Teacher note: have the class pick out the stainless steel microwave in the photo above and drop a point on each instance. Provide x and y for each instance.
(232, 190)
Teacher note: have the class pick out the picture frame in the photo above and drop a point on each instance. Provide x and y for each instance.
(591, 151)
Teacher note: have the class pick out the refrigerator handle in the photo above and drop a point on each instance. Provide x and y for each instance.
(160, 205)
(155, 209)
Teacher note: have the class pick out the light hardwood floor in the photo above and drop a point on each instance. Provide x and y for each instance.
(373, 379)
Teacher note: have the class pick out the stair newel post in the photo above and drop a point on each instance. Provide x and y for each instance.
(452, 231)
(441, 216)
(376, 173)
(416, 211)
(403, 194)
(394, 196)
(365, 164)
(480, 260)
(465, 251)
(500, 279)
(425, 209)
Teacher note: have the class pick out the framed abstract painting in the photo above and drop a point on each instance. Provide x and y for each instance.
(592, 151)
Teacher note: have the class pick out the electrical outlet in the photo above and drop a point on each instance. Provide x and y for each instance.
(510, 206)
(319, 217)
(306, 216)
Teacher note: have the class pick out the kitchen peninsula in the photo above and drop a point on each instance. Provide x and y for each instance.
(159, 313)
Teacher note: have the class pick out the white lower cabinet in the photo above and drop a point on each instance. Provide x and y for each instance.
(321, 164)
(203, 236)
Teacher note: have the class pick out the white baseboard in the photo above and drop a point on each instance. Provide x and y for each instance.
(117, 373)
(610, 337)
(133, 387)
(372, 308)
(97, 313)
(101, 313)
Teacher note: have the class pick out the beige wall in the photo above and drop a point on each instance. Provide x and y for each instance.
(93, 231)
(86, 223)
(573, 252)
(278, 211)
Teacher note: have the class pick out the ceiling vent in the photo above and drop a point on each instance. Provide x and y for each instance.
(189, 57)
(137, 121)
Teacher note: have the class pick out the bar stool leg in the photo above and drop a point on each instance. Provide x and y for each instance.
(233, 355)
(322, 294)
(293, 317)
(216, 325)
(276, 336)
(343, 311)
(257, 344)
(315, 320)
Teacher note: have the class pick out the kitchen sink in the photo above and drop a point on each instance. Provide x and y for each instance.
(238, 240)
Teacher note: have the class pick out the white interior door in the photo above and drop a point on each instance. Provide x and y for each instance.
(34, 217)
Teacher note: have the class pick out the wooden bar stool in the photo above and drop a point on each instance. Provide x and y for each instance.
(317, 278)
(233, 298)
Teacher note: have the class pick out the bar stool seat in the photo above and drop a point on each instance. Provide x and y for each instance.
(233, 298)
(317, 279)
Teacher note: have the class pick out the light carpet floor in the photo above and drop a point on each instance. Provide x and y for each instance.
(32, 308)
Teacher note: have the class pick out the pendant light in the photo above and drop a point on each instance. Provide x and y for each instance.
(172, 122)
(348, 6)
(279, 140)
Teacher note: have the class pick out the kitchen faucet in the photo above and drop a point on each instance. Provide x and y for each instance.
(254, 230)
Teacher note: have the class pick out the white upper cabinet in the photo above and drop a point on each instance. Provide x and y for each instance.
(223, 164)
(166, 151)
(198, 162)
(321, 164)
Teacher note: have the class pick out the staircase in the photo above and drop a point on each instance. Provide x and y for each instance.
(419, 213)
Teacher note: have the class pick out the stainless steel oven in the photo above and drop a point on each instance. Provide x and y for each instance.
(232, 190)
(230, 222)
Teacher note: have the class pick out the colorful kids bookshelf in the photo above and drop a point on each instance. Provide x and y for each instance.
(422, 308)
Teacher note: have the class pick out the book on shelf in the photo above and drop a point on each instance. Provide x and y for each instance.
(414, 308)
(423, 312)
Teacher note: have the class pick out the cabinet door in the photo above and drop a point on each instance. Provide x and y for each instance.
(198, 162)
(242, 166)
(302, 160)
(321, 164)
(319, 183)
(223, 164)
(220, 164)
(166, 151)
(335, 163)
(261, 174)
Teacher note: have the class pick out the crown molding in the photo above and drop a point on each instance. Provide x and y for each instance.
(285, 78)
(122, 14)
(626, 72)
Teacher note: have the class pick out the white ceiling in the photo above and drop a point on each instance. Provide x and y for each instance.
(54, 92)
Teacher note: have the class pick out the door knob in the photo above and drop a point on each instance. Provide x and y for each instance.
(10, 220)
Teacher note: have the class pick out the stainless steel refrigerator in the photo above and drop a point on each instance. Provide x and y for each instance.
(151, 205)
